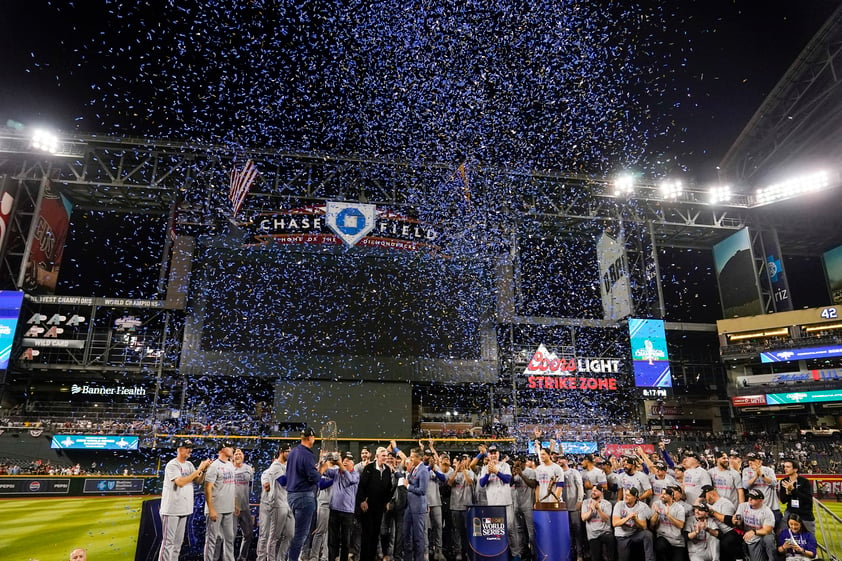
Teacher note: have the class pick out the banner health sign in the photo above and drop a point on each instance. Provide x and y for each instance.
(650, 357)
(10, 303)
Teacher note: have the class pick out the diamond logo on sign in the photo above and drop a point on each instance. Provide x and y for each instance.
(350, 221)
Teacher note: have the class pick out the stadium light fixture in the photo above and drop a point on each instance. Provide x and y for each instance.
(624, 185)
(794, 187)
(45, 141)
(720, 194)
(671, 189)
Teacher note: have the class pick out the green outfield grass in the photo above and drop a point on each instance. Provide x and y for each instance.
(48, 529)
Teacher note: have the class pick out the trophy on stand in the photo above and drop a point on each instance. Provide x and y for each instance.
(330, 447)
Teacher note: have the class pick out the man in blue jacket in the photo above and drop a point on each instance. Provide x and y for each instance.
(302, 479)
(414, 525)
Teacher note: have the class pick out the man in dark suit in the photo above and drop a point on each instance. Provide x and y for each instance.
(373, 494)
(414, 525)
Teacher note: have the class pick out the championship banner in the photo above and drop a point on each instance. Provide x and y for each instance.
(337, 223)
(614, 284)
(44, 261)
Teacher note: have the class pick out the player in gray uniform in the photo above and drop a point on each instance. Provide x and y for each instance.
(177, 499)
(596, 515)
(702, 535)
(316, 546)
(524, 480)
(243, 477)
(461, 483)
(573, 494)
(660, 479)
(763, 478)
(219, 505)
(434, 521)
(759, 524)
(721, 510)
(629, 519)
(275, 521)
(728, 481)
(632, 477)
(668, 520)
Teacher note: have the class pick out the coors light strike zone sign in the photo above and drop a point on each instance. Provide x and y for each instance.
(547, 371)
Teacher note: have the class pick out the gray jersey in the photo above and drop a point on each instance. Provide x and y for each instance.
(630, 528)
(595, 525)
(175, 500)
(243, 476)
(755, 518)
(433, 494)
(666, 528)
(694, 479)
(462, 490)
(221, 476)
(726, 507)
(658, 485)
(573, 492)
(727, 481)
(522, 494)
(770, 490)
(596, 478)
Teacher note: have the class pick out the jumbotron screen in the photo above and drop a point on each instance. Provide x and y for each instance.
(296, 303)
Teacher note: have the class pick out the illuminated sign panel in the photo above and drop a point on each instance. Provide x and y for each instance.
(649, 355)
(546, 370)
(10, 303)
(94, 442)
(748, 400)
(803, 397)
(787, 355)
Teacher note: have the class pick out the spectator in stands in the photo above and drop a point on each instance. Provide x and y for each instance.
(797, 493)
(796, 542)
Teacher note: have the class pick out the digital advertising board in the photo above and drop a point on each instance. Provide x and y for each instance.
(10, 304)
(786, 355)
(790, 398)
(94, 442)
(650, 358)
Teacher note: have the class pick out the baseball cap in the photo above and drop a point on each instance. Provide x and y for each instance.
(493, 448)
(286, 446)
(308, 432)
(691, 454)
(707, 488)
(679, 467)
(428, 452)
(226, 444)
(756, 494)
(349, 455)
(633, 491)
(184, 443)
(660, 465)
(751, 456)
(734, 454)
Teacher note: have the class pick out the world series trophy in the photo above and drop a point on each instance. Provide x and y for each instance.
(330, 446)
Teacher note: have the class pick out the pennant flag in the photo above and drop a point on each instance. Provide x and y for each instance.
(240, 184)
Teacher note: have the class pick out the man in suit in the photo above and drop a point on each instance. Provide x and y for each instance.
(373, 494)
(414, 526)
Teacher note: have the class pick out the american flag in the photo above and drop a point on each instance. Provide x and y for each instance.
(240, 184)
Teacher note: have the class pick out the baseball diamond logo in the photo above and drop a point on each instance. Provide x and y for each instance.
(350, 221)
